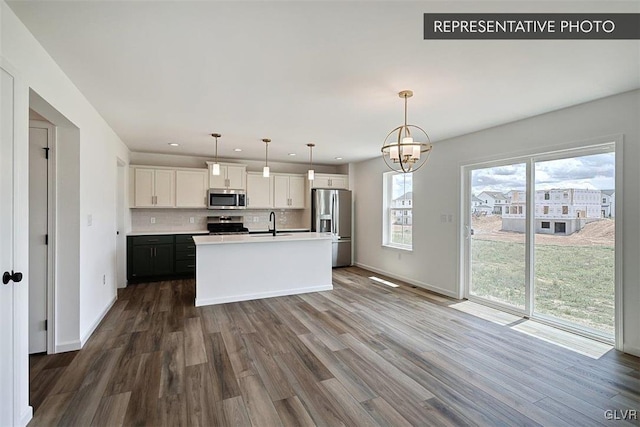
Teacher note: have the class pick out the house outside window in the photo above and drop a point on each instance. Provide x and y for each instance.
(398, 197)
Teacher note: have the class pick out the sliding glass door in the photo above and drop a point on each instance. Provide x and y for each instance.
(498, 262)
(574, 229)
(540, 237)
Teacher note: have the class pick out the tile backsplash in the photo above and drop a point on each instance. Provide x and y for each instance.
(180, 219)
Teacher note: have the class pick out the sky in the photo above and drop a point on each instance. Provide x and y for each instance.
(594, 172)
(402, 183)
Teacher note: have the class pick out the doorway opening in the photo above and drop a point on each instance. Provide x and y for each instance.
(537, 243)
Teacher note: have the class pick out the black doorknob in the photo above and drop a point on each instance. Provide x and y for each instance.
(13, 276)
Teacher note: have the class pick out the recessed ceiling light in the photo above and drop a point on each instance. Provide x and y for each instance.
(292, 154)
(237, 150)
(338, 158)
(174, 144)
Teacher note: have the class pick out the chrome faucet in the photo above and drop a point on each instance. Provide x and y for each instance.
(272, 217)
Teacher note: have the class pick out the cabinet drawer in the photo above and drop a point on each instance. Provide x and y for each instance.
(187, 238)
(185, 255)
(186, 266)
(186, 247)
(151, 240)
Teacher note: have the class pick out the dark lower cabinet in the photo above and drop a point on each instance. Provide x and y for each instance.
(160, 257)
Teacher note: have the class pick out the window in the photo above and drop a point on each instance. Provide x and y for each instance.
(546, 210)
(546, 224)
(398, 196)
(565, 210)
(546, 196)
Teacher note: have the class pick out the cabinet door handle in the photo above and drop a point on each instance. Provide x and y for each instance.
(153, 240)
(151, 252)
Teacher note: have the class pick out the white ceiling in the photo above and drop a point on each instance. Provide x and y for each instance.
(323, 72)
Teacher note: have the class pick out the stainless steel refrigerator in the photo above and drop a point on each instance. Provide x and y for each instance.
(331, 213)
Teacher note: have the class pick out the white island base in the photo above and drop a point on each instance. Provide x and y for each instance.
(246, 267)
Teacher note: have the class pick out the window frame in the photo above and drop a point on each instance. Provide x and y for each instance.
(389, 212)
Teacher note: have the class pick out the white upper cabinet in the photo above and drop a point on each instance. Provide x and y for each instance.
(231, 176)
(288, 191)
(153, 188)
(296, 191)
(324, 180)
(236, 177)
(259, 191)
(191, 188)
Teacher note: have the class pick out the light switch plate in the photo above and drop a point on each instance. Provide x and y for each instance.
(153, 220)
(89, 220)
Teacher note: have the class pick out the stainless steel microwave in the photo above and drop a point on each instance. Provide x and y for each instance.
(226, 199)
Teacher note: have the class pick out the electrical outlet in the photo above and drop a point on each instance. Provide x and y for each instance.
(192, 220)
(153, 220)
(104, 279)
(449, 218)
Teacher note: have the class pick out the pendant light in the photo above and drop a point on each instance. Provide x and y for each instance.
(215, 170)
(265, 169)
(402, 151)
(311, 173)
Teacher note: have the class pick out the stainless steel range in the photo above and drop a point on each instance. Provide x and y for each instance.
(226, 225)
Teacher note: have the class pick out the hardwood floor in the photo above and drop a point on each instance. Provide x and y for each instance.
(362, 354)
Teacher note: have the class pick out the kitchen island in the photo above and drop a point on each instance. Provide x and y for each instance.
(245, 267)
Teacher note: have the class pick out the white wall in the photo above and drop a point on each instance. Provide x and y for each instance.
(91, 251)
(434, 260)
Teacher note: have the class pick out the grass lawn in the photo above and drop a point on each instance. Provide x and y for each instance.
(574, 283)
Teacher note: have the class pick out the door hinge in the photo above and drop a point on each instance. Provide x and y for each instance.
(46, 239)
(46, 152)
(46, 324)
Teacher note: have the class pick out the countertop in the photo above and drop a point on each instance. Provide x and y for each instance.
(158, 233)
(259, 238)
(281, 230)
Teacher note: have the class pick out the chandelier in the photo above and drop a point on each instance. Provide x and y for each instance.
(404, 151)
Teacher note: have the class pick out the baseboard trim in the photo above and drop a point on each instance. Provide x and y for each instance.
(271, 294)
(94, 325)
(68, 346)
(423, 285)
(635, 351)
(26, 416)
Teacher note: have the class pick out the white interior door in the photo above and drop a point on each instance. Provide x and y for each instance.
(38, 231)
(7, 395)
